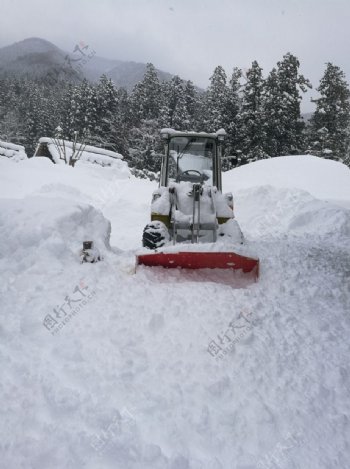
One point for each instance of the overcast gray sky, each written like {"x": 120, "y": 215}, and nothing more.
{"x": 191, "y": 37}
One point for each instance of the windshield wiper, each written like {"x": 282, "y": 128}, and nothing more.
{"x": 181, "y": 154}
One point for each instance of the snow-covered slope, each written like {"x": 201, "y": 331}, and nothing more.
{"x": 103, "y": 368}
{"x": 35, "y": 57}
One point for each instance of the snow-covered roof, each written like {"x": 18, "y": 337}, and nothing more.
{"x": 58, "y": 149}
{"x": 10, "y": 150}
{"x": 87, "y": 148}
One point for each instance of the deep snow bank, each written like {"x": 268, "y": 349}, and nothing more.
{"x": 292, "y": 195}
{"x": 324, "y": 179}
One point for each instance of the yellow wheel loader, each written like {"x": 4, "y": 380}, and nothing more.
{"x": 192, "y": 222}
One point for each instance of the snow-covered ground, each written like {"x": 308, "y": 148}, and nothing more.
{"x": 103, "y": 368}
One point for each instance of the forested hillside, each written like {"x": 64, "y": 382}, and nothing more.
{"x": 260, "y": 113}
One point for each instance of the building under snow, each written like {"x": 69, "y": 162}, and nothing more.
{"x": 61, "y": 151}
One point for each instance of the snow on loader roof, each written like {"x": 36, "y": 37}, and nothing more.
{"x": 178, "y": 133}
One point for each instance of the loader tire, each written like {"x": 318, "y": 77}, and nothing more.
{"x": 155, "y": 235}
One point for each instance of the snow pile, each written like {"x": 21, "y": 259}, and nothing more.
{"x": 105, "y": 368}
{"x": 37, "y": 227}
{"x": 14, "y": 152}
{"x": 325, "y": 179}
{"x": 281, "y": 196}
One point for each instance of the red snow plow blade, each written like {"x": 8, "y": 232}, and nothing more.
{"x": 201, "y": 260}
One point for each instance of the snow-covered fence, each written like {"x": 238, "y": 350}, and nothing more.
{"x": 10, "y": 150}
{"x": 57, "y": 150}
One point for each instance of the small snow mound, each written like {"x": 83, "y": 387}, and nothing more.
{"x": 324, "y": 179}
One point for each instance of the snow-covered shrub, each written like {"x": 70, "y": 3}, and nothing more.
{"x": 145, "y": 174}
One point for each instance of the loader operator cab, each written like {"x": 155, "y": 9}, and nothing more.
{"x": 191, "y": 157}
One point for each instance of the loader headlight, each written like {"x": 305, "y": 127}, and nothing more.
{"x": 221, "y": 134}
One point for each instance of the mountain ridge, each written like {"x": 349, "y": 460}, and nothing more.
{"x": 36, "y": 57}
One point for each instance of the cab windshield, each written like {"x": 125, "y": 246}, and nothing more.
{"x": 191, "y": 159}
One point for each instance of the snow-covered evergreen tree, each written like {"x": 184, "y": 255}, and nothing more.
{"x": 252, "y": 115}
{"x": 174, "y": 113}
{"x": 146, "y": 147}
{"x": 11, "y": 123}
{"x": 67, "y": 118}
{"x": 87, "y": 111}
{"x": 271, "y": 111}
{"x": 221, "y": 109}
{"x": 36, "y": 110}
{"x": 192, "y": 104}
{"x": 80, "y": 112}
{"x": 120, "y": 124}
{"x": 216, "y": 101}
{"x": 107, "y": 101}
{"x": 331, "y": 120}
{"x": 146, "y": 102}
{"x": 232, "y": 119}
{"x": 106, "y": 109}
{"x": 146, "y": 96}
{"x": 282, "y": 107}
